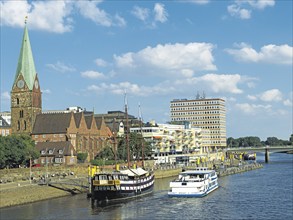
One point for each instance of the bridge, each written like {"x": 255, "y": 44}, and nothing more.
{"x": 266, "y": 149}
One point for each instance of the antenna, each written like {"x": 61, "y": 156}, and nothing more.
{"x": 127, "y": 130}
{"x": 140, "y": 124}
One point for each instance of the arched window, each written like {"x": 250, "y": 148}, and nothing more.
{"x": 18, "y": 125}
{"x": 21, "y": 113}
{"x": 17, "y": 101}
{"x": 24, "y": 125}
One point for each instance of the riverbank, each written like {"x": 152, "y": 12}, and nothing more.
{"x": 19, "y": 194}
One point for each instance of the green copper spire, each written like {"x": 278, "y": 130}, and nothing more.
{"x": 26, "y": 66}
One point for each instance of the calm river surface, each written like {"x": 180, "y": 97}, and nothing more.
{"x": 265, "y": 193}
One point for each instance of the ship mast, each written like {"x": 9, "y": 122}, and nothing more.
{"x": 127, "y": 131}
{"x": 140, "y": 124}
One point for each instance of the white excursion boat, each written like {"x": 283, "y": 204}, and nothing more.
{"x": 194, "y": 183}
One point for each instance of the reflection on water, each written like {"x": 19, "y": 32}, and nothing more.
{"x": 257, "y": 194}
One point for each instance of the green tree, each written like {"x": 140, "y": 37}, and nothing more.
{"x": 136, "y": 142}
{"x": 81, "y": 156}
{"x": 17, "y": 150}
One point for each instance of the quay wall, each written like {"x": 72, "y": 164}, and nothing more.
{"x": 17, "y": 193}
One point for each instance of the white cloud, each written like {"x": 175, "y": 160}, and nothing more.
{"x": 92, "y": 75}
{"x": 160, "y": 13}
{"x": 140, "y": 13}
{"x": 90, "y": 10}
{"x": 169, "y": 59}
{"x": 273, "y": 95}
{"x": 287, "y": 102}
{"x": 252, "y": 109}
{"x": 55, "y": 16}
{"x": 222, "y": 83}
{"x": 236, "y": 11}
{"x": 243, "y": 8}
{"x": 39, "y": 15}
{"x": 61, "y": 67}
{"x": 199, "y": 2}
{"x": 275, "y": 54}
{"x": 258, "y": 4}
{"x": 252, "y": 97}
{"x": 100, "y": 62}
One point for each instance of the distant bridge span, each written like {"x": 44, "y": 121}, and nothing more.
{"x": 265, "y": 149}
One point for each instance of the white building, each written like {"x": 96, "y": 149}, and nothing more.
{"x": 169, "y": 139}
{"x": 208, "y": 114}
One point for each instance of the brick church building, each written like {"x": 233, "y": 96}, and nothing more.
{"x": 58, "y": 136}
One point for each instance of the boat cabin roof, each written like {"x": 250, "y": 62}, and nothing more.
{"x": 134, "y": 172}
{"x": 197, "y": 171}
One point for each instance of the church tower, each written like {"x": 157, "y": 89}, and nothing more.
{"x": 26, "y": 97}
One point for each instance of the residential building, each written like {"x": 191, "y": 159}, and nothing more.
{"x": 56, "y": 153}
{"x": 5, "y": 128}
{"x": 170, "y": 139}
{"x": 6, "y": 116}
{"x": 207, "y": 114}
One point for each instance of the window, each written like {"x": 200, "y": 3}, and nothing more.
{"x": 17, "y": 101}
{"x": 50, "y": 151}
{"x": 43, "y": 152}
{"x": 60, "y": 151}
{"x": 24, "y": 125}
{"x": 18, "y": 125}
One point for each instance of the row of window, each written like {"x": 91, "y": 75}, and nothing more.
{"x": 51, "y": 151}
{"x": 197, "y": 108}
{"x": 199, "y": 113}
{"x": 214, "y": 102}
{"x": 52, "y": 160}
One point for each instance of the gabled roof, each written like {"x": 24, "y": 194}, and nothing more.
{"x": 52, "y": 123}
{"x": 99, "y": 122}
{"x": 77, "y": 118}
{"x": 26, "y": 65}
{"x": 4, "y": 123}
{"x": 88, "y": 120}
{"x": 65, "y": 146}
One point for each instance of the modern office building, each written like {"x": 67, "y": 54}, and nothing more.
{"x": 208, "y": 114}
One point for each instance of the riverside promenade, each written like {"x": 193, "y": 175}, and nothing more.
{"x": 19, "y": 192}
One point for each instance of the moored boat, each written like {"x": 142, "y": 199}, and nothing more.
{"x": 249, "y": 156}
{"x": 121, "y": 185}
{"x": 198, "y": 182}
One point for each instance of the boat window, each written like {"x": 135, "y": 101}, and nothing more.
{"x": 102, "y": 177}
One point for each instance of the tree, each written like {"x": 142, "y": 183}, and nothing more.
{"x": 81, "y": 156}
{"x": 17, "y": 150}
{"x": 136, "y": 141}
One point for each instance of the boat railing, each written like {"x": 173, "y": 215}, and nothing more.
{"x": 106, "y": 182}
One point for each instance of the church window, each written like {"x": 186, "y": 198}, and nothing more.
{"x": 17, "y": 101}
{"x": 21, "y": 113}
{"x": 24, "y": 125}
{"x": 18, "y": 125}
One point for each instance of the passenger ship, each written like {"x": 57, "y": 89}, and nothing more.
{"x": 194, "y": 183}
{"x": 122, "y": 184}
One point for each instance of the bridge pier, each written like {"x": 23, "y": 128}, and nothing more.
{"x": 267, "y": 155}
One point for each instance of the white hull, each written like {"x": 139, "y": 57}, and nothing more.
{"x": 194, "y": 183}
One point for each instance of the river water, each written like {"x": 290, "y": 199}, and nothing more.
{"x": 265, "y": 193}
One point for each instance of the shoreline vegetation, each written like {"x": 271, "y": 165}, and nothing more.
{"x": 19, "y": 194}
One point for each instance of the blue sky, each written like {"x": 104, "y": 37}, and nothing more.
{"x": 87, "y": 53}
